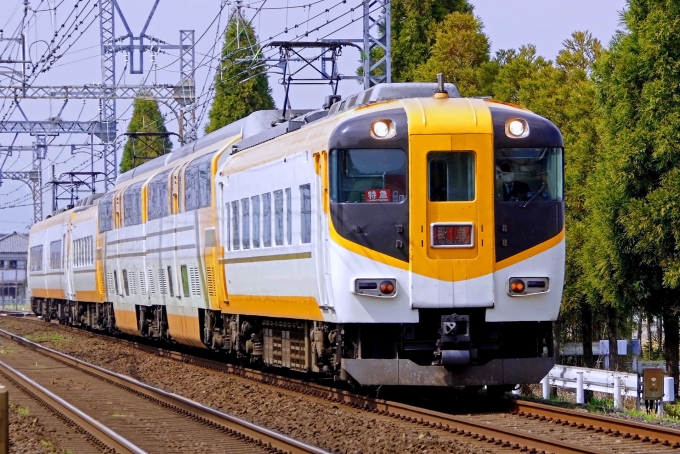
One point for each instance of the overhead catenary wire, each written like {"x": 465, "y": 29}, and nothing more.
{"x": 206, "y": 95}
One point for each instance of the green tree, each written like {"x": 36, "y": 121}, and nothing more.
{"x": 565, "y": 93}
{"x": 459, "y": 50}
{"x": 146, "y": 118}
{"x": 241, "y": 88}
{"x": 635, "y": 210}
{"x": 414, "y": 24}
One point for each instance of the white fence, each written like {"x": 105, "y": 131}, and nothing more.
{"x": 582, "y": 379}
{"x": 593, "y": 380}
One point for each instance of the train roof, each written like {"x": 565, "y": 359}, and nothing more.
{"x": 265, "y": 125}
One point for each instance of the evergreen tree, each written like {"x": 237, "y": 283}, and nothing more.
{"x": 634, "y": 213}
{"x": 414, "y": 27}
{"x": 241, "y": 88}
{"x": 565, "y": 93}
{"x": 146, "y": 117}
{"x": 459, "y": 50}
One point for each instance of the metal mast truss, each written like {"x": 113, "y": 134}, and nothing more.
{"x": 330, "y": 51}
{"x": 135, "y": 46}
{"x": 182, "y": 96}
{"x": 69, "y": 189}
{"x": 377, "y": 42}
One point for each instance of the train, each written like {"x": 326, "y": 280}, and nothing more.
{"x": 403, "y": 236}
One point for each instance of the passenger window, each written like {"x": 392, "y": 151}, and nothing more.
{"x": 278, "y": 217}
{"x": 451, "y": 176}
{"x": 105, "y": 209}
{"x": 204, "y": 182}
{"x": 305, "y": 214}
{"x": 126, "y": 284}
{"x": 235, "y": 238}
{"x": 36, "y": 258}
{"x": 185, "y": 280}
{"x": 267, "y": 219}
{"x": 245, "y": 222}
{"x": 55, "y": 255}
{"x": 289, "y": 217}
{"x": 158, "y": 196}
{"x": 132, "y": 204}
{"x": 255, "y": 202}
{"x": 115, "y": 282}
{"x": 197, "y": 183}
{"x": 191, "y": 188}
{"x": 171, "y": 285}
{"x": 368, "y": 176}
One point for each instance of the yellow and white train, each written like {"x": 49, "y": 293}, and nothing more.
{"x": 403, "y": 236}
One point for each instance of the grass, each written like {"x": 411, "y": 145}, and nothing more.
{"x": 22, "y": 410}
{"x": 606, "y": 402}
{"x": 46, "y": 338}
{"x": 46, "y": 443}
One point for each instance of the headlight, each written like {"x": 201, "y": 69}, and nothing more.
{"x": 516, "y": 128}
{"x": 383, "y": 129}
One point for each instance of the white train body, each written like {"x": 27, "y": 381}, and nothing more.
{"x": 318, "y": 246}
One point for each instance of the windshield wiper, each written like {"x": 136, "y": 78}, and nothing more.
{"x": 540, "y": 191}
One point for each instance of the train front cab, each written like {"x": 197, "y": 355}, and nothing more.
{"x": 470, "y": 241}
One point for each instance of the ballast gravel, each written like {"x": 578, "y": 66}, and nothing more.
{"x": 334, "y": 427}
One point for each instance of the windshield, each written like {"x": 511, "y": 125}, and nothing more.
{"x": 523, "y": 173}
{"x": 368, "y": 176}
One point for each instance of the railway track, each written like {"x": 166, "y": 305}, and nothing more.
{"x": 141, "y": 419}
{"x": 525, "y": 426}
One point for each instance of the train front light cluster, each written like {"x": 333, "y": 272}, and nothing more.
{"x": 516, "y": 128}
{"x": 524, "y": 286}
{"x": 382, "y": 288}
{"x": 383, "y": 129}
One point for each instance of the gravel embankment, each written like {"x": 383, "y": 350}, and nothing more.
{"x": 334, "y": 427}
{"x": 28, "y": 435}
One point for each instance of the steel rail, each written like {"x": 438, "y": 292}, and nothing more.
{"x": 598, "y": 423}
{"x": 231, "y": 424}
{"x": 101, "y": 434}
{"x": 609, "y": 425}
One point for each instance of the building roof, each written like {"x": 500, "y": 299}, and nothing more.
{"x": 14, "y": 243}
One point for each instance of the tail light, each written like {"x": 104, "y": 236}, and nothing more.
{"x": 524, "y": 286}
{"x": 382, "y": 288}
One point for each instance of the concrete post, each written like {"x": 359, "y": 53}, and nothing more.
{"x": 580, "y": 399}
{"x": 618, "y": 400}
{"x": 546, "y": 387}
{"x": 668, "y": 389}
{"x": 4, "y": 420}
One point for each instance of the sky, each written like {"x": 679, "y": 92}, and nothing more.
{"x": 508, "y": 23}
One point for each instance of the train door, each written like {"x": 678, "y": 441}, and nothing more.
{"x": 451, "y": 204}
{"x": 67, "y": 262}
{"x": 223, "y": 210}
{"x": 320, "y": 202}
{"x": 113, "y": 242}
